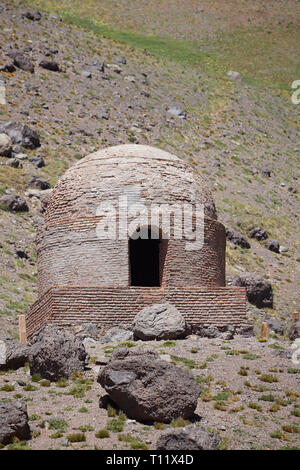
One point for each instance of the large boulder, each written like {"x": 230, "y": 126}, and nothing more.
{"x": 116, "y": 335}
{"x": 160, "y": 321}
{"x": 258, "y": 233}
{"x": 21, "y": 134}
{"x": 237, "y": 238}
{"x": 14, "y": 203}
{"x": 191, "y": 437}
{"x": 5, "y": 145}
{"x": 259, "y": 290}
{"x": 274, "y": 324}
{"x": 56, "y": 353}
{"x": 22, "y": 61}
{"x": 13, "y": 422}
{"x": 13, "y": 354}
{"x": 147, "y": 388}
{"x": 38, "y": 182}
{"x": 294, "y": 331}
{"x": 274, "y": 245}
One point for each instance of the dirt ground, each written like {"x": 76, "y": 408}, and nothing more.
{"x": 249, "y": 393}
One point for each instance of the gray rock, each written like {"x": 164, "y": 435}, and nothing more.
{"x": 49, "y": 65}
{"x": 32, "y": 15}
{"x": 247, "y": 331}
{"x": 180, "y": 113}
{"x": 13, "y": 422}
{"x": 259, "y": 290}
{"x": 160, "y": 321}
{"x": 294, "y": 331}
{"x": 274, "y": 324}
{"x": 21, "y": 61}
{"x": 13, "y": 203}
{"x": 86, "y": 74}
{"x": 273, "y": 245}
{"x": 208, "y": 332}
{"x": 237, "y": 238}
{"x": 21, "y": 134}
{"x": 8, "y": 66}
{"x": 38, "y": 161}
{"x": 116, "y": 335}
{"x": 5, "y": 145}
{"x": 236, "y": 76}
{"x": 190, "y": 437}
{"x": 56, "y": 353}
{"x": 283, "y": 249}
{"x": 14, "y": 163}
{"x": 258, "y": 233}
{"x": 38, "y": 182}
{"x": 87, "y": 330}
{"x": 147, "y": 388}
{"x": 13, "y": 354}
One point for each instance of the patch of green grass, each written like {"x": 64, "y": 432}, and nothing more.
{"x": 83, "y": 410}
{"x": 251, "y": 357}
{"x": 187, "y": 362}
{"x": 23, "y": 445}
{"x": 268, "y": 378}
{"x": 102, "y": 434}
{"x": 58, "y": 425}
{"x": 30, "y": 388}
{"x": 76, "y": 437}
{"x": 86, "y": 428}
{"x": 7, "y": 388}
{"x": 168, "y": 344}
{"x": 179, "y": 422}
{"x": 293, "y": 371}
{"x": 115, "y": 425}
{"x": 255, "y": 406}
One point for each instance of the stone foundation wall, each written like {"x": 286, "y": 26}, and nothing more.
{"x": 111, "y": 306}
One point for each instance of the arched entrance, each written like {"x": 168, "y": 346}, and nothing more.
{"x": 145, "y": 260}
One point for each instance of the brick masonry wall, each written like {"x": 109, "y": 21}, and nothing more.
{"x": 70, "y": 253}
{"x": 66, "y": 306}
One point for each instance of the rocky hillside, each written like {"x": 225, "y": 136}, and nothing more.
{"x": 84, "y": 80}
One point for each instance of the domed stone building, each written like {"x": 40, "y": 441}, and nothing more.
{"x": 127, "y": 227}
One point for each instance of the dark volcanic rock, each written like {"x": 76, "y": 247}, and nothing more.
{"x": 21, "y": 134}
{"x": 160, "y": 321}
{"x": 294, "y": 331}
{"x": 258, "y": 233}
{"x": 259, "y": 290}
{"x": 32, "y": 15}
{"x": 148, "y": 388}
{"x": 237, "y": 238}
{"x": 8, "y": 66}
{"x": 38, "y": 182}
{"x": 56, "y": 353}
{"x": 38, "y": 161}
{"x": 13, "y": 422}
{"x": 14, "y": 203}
{"x": 13, "y": 354}
{"x": 49, "y": 65}
{"x": 191, "y": 437}
{"x": 274, "y": 245}
{"x": 21, "y": 61}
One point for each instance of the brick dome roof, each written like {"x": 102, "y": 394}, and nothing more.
{"x": 141, "y": 172}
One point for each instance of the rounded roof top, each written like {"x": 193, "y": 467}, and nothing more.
{"x": 143, "y": 173}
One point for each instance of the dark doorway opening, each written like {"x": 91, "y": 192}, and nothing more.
{"x": 144, "y": 261}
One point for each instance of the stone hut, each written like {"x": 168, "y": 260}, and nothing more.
{"x": 105, "y": 250}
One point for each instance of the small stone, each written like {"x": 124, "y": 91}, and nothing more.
{"x": 236, "y": 76}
